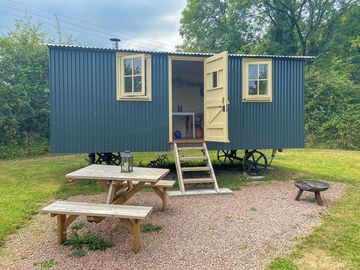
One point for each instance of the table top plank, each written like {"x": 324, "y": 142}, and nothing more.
{"x": 111, "y": 172}
{"x": 101, "y": 210}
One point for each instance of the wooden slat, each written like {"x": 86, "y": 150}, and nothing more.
{"x": 110, "y": 172}
{"x": 193, "y": 158}
{"x": 70, "y": 220}
{"x": 185, "y": 148}
{"x": 196, "y": 169}
{"x": 178, "y": 169}
{"x": 161, "y": 184}
{"x": 197, "y": 180}
{"x": 187, "y": 141}
{"x": 212, "y": 173}
{"x": 126, "y": 195}
{"x": 100, "y": 210}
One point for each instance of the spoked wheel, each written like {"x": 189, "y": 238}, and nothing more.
{"x": 255, "y": 163}
{"x": 116, "y": 158}
{"x": 224, "y": 155}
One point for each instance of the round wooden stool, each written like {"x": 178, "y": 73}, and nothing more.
{"x": 312, "y": 186}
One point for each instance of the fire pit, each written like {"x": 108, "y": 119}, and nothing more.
{"x": 312, "y": 186}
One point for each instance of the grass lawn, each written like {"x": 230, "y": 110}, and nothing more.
{"x": 27, "y": 184}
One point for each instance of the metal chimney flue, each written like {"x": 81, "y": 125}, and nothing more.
{"x": 115, "y": 42}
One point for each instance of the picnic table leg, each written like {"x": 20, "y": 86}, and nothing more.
{"x": 299, "y": 195}
{"x": 126, "y": 195}
{"x": 136, "y": 235}
{"x": 130, "y": 185}
{"x": 318, "y": 198}
{"x": 163, "y": 195}
{"x": 61, "y": 228}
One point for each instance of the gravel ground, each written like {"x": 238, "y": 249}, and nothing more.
{"x": 240, "y": 231}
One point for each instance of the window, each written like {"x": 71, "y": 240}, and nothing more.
{"x": 257, "y": 80}
{"x": 214, "y": 79}
{"x": 133, "y": 74}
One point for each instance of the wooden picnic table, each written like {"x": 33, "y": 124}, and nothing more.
{"x": 113, "y": 180}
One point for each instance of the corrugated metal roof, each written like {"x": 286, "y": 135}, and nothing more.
{"x": 183, "y": 53}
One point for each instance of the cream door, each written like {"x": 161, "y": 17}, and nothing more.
{"x": 216, "y": 98}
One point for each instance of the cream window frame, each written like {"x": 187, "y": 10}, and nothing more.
{"x": 245, "y": 79}
{"x": 145, "y": 94}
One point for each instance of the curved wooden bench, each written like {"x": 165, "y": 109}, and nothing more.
{"x": 66, "y": 213}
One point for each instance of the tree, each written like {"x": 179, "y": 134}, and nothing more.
{"x": 24, "y": 93}
{"x": 215, "y": 26}
{"x": 288, "y": 26}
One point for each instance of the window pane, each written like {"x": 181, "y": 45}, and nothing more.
{"x": 137, "y": 84}
{"x": 263, "y": 71}
{"x": 252, "y": 88}
{"x": 263, "y": 89}
{"x": 137, "y": 66}
{"x": 214, "y": 79}
{"x": 128, "y": 66}
{"x": 128, "y": 84}
{"x": 253, "y": 71}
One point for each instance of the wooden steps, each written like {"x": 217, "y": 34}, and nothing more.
{"x": 198, "y": 180}
{"x": 196, "y": 169}
{"x": 192, "y": 158}
{"x": 184, "y": 148}
{"x": 180, "y": 150}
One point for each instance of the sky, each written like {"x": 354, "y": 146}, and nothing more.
{"x": 140, "y": 24}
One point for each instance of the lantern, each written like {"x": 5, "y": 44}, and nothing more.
{"x": 126, "y": 161}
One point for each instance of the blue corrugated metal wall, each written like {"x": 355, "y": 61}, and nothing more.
{"x": 267, "y": 125}
{"x": 85, "y": 115}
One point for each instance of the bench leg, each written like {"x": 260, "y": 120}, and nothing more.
{"x": 136, "y": 235}
{"x": 165, "y": 199}
{"x": 318, "y": 198}
{"x": 61, "y": 228}
{"x": 162, "y": 193}
{"x": 299, "y": 195}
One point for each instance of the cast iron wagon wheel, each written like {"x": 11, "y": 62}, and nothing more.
{"x": 100, "y": 158}
{"x": 223, "y": 155}
{"x": 116, "y": 158}
{"x": 255, "y": 163}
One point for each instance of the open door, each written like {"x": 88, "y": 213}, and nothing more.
{"x": 216, "y": 98}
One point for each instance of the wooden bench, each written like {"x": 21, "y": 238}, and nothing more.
{"x": 66, "y": 212}
{"x": 161, "y": 188}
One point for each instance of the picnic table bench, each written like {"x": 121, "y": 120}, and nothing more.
{"x": 120, "y": 186}
{"x": 67, "y": 212}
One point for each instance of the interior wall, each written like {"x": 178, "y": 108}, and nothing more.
{"x": 187, "y": 94}
{"x": 189, "y": 98}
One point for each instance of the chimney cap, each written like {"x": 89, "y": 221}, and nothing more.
{"x": 115, "y": 39}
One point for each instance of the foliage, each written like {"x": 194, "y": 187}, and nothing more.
{"x": 24, "y": 90}
{"x": 89, "y": 240}
{"x": 282, "y": 264}
{"x": 77, "y": 226}
{"x": 148, "y": 227}
{"x": 44, "y": 265}
{"x": 332, "y": 109}
{"x": 215, "y": 26}
{"x": 24, "y": 93}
